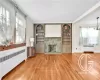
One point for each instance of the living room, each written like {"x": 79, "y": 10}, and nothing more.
{"x": 49, "y": 39}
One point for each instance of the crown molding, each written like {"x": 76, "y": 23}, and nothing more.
{"x": 88, "y": 12}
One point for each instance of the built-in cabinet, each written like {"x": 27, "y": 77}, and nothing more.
{"x": 66, "y": 38}
{"x": 39, "y": 37}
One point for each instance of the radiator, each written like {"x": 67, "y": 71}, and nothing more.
{"x": 10, "y": 59}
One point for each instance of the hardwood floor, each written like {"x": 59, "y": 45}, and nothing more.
{"x": 55, "y": 67}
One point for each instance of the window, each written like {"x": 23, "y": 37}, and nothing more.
{"x": 89, "y": 36}
{"x": 8, "y": 30}
{"x": 20, "y": 31}
{"x": 5, "y": 28}
{"x": 4, "y": 16}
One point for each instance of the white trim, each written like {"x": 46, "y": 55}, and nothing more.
{"x": 88, "y": 12}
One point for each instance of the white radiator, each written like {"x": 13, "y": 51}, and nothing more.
{"x": 9, "y": 59}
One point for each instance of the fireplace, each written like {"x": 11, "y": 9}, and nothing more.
{"x": 52, "y": 48}
{"x": 53, "y": 45}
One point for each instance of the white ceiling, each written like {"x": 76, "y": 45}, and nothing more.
{"x": 55, "y": 11}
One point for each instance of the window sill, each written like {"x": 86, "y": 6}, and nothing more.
{"x": 3, "y": 48}
{"x": 88, "y": 46}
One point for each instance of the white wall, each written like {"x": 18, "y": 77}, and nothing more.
{"x": 89, "y": 20}
{"x": 29, "y": 31}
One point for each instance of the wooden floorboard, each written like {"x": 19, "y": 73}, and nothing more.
{"x": 55, "y": 67}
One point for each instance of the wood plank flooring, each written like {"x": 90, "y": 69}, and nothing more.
{"x": 55, "y": 67}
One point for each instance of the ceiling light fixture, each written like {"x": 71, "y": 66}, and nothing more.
{"x": 98, "y": 24}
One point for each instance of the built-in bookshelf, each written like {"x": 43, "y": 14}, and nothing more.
{"x": 66, "y": 38}
{"x": 39, "y": 37}
{"x": 66, "y": 34}
{"x": 39, "y": 33}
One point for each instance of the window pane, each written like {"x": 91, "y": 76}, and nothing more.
{"x": 5, "y": 31}
{"x": 20, "y": 23}
{"x": 0, "y": 14}
{"x": 16, "y": 25}
{"x": 7, "y": 14}
{"x": 7, "y": 18}
{"x": 4, "y": 15}
{"x": 4, "y": 12}
{"x": 93, "y": 36}
{"x": 0, "y": 11}
{"x": 19, "y": 31}
{"x": 84, "y": 32}
{"x": 16, "y": 20}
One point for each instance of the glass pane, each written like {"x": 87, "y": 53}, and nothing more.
{"x": 16, "y": 20}
{"x": 84, "y": 36}
{"x": 7, "y": 18}
{"x": 0, "y": 14}
{"x": 4, "y": 12}
{"x": 19, "y": 31}
{"x": 84, "y": 32}
{"x": 20, "y": 22}
{"x": 0, "y": 11}
{"x": 4, "y": 15}
{"x": 5, "y": 32}
{"x": 7, "y": 14}
{"x": 93, "y": 36}
{"x": 16, "y": 25}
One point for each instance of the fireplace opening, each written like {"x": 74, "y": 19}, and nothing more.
{"x": 52, "y": 48}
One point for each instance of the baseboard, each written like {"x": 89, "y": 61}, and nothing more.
{"x": 77, "y": 53}
{"x": 67, "y": 53}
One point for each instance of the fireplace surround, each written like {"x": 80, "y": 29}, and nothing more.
{"x": 53, "y": 45}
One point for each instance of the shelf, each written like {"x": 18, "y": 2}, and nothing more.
{"x": 40, "y": 41}
{"x": 40, "y": 37}
{"x": 66, "y": 41}
{"x": 66, "y": 38}
{"x": 39, "y": 32}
